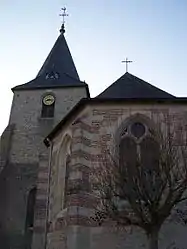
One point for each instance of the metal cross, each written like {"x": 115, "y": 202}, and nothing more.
{"x": 64, "y": 14}
{"x": 126, "y": 61}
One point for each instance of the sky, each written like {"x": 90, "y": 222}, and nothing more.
{"x": 100, "y": 34}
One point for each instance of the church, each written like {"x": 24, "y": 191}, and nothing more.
{"x": 56, "y": 135}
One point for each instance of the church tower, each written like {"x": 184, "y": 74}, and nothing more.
{"x": 36, "y": 108}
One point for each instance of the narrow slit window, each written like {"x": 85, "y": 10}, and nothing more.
{"x": 30, "y": 209}
{"x": 29, "y": 222}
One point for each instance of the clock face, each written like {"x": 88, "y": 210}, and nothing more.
{"x": 49, "y": 99}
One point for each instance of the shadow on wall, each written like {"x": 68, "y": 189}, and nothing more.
{"x": 5, "y": 142}
{"x": 3, "y": 238}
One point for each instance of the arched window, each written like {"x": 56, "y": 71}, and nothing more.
{"x": 138, "y": 142}
{"x": 29, "y": 222}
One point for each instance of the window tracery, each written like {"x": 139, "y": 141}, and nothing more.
{"x": 137, "y": 141}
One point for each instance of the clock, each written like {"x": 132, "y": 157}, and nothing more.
{"x": 48, "y": 99}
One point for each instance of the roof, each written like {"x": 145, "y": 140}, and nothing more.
{"x": 38, "y": 83}
{"x": 129, "y": 86}
{"x": 58, "y": 69}
{"x": 110, "y": 101}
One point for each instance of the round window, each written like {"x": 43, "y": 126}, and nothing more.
{"x": 137, "y": 129}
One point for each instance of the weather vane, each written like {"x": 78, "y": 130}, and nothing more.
{"x": 126, "y": 61}
{"x": 64, "y": 14}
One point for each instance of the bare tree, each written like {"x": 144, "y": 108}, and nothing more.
{"x": 139, "y": 192}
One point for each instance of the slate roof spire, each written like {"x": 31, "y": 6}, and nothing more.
{"x": 58, "y": 69}
{"x": 59, "y": 59}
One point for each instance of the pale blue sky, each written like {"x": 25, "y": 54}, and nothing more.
{"x": 100, "y": 35}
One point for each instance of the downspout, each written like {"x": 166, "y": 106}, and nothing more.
{"x": 49, "y": 144}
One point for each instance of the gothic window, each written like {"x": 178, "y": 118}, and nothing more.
{"x": 137, "y": 142}
{"x": 48, "y": 106}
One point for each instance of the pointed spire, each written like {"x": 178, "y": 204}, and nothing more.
{"x": 58, "y": 69}
{"x": 59, "y": 60}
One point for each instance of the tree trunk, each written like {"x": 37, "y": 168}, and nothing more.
{"x": 153, "y": 239}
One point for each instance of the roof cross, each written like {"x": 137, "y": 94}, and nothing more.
{"x": 126, "y": 61}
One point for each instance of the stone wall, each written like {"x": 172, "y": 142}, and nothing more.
{"x": 28, "y": 163}
{"x": 16, "y": 180}
{"x": 93, "y": 130}
{"x": 5, "y": 145}
{"x": 30, "y": 128}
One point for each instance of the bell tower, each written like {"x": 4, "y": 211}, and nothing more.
{"x": 36, "y": 108}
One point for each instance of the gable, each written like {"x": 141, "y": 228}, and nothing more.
{"x": 130, "y": 86}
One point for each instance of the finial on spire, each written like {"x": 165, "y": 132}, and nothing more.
{"x": 64, "y": 14}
